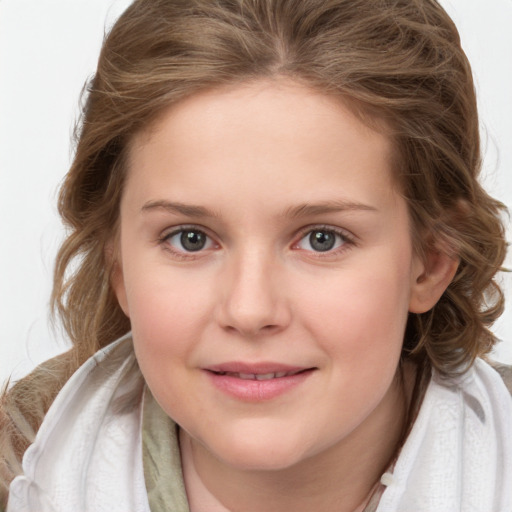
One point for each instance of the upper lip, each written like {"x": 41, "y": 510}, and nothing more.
{"x": 262, "y": 368}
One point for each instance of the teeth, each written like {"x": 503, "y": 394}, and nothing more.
{"x": 266, "y": 376}
{"x": 258, "y": 376}
{"x": 245, "y": 376}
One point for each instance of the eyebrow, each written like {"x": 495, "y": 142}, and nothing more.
{"x": 188, "y": 210}
{"x": 301, "y": 210}
{"x": 311, "y": 209}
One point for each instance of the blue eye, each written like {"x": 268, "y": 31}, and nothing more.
{"x": 189, "y": 240}
{"x": 321, "y": 240}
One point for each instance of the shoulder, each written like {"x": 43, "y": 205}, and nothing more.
{"x": 505, "y": 372}
{"x": 22, "y": 410}
{"x": 31, "y": 397}
{"x": 94, "y": 419}
{"x": 44, "y": 381}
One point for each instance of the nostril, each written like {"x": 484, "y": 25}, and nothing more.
{"x": 251, "y": 331}
{"x": 251, "y": 312}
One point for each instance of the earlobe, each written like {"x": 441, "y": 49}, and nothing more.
{"x": 117, "y": 278}
{"x": 117, "y": 283}
{"x": 431, "y": 280}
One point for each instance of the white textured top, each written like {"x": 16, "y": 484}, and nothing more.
{"x": 458, "y": 456}
{"x": 87, "y": 456}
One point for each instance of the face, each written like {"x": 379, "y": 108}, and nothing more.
{"x": 267, "y": 269}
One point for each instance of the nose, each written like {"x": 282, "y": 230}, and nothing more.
{"x": 254, "y": 299}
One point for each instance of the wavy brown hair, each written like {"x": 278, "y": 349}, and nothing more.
{"x": 397, "y": 63}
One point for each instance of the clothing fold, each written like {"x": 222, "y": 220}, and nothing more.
{"x": 105, "y": 445}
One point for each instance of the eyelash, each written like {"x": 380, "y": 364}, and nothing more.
{"x": 347, "y": 240}
{"x": 164, "y": 241}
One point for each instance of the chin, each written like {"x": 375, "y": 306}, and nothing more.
{"x": 262, "y": 461}
{"x": 260, "y": 453}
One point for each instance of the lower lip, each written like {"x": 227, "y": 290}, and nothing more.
{"x": 249, "y": 390}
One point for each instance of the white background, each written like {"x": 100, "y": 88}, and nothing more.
{"x": 48, "y": 48}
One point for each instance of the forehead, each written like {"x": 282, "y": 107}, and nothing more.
{"x": 277, "y": 133}
{"x": 263, "y": 101}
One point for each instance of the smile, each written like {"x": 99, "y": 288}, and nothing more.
{"x": 259, "y": 376}
{"x": 256, "y": 384}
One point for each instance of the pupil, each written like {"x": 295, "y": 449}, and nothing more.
{"x": 193, "y": 240}
{"x": 322, "y": 240}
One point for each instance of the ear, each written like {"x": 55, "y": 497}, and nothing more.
{"x": 430, "y": 279}
{"x": 113, "y": 258}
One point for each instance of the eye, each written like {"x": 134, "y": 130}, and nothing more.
{"x": 188, "y": 240}
{"x": 322, "y": 240}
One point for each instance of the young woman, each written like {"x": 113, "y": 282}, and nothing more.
{"x": 279, "y": 273}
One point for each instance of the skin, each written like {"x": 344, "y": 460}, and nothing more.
{"x": 263, "y": 165}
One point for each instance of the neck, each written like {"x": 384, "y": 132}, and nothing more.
{"x": 340, "y": 478}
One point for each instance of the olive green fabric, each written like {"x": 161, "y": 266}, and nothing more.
{"x": 506, "y": 373}
{"x": 161, "y": 459}
{"x": 162, "y": 462}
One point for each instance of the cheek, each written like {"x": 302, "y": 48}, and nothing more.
{"x": 167, "y": 315}
{"x": 166, "y": 327}
{"x": 360, "y": 316}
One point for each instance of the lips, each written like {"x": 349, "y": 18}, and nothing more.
{"x": 259, "y": 376}
{"x": 256, "y": 382}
